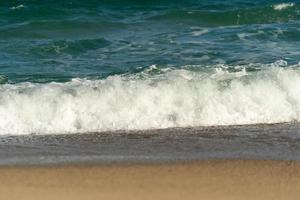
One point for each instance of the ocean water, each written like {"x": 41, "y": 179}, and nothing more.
{"x": 104, "y": 65}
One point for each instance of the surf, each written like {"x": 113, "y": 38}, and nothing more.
{"x": 153, "y": 99}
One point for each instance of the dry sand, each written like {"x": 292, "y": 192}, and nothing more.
{"x": 186, "y": 180}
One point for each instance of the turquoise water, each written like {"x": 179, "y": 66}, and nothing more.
{"x": 128, "y": 64}
{"x": 42, "y": 41}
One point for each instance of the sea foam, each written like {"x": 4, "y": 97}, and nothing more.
{"x": 283, "y": 6}
{"x": 17, "y": 7}
{"x": 172, "y": 98}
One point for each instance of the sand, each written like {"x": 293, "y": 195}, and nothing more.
{"x": 225, "y": 179}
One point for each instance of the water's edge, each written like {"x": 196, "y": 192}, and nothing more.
{"x": 262, "y": 141}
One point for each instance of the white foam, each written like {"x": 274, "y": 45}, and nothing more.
{"x": 175, "y": 98}
{"x": 17, "y": 7}
{"x": 283, "y": 6}
{"x": 200, "y": 32}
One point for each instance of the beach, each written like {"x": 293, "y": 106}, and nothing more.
{"x": 229, "y": 162}
{"x": 214, "y": 179}
{"x": 138, "y": 100}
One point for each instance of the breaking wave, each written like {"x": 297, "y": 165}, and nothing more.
{"x": 154, "y": 98}
{"x": 283, "y": 6}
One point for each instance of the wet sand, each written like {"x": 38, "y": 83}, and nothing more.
{"x": 226, "y": 162}
{"x": 251, "y": 142}
{"x": 219, "y": 179}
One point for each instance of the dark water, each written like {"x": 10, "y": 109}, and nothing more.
{"x": 91, "y": 66}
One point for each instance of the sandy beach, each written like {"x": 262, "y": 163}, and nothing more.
{"x": 223, "y": 179}
{"x": 149, "y": 100}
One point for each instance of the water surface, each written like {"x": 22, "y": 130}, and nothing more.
{"x": 90, "y": 66}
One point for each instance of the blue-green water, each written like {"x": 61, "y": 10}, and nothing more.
{"x": 43, "y": 41}
{"x": 129, "y": 64}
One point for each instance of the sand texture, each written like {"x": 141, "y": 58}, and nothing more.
{"x": 185, "y": 180}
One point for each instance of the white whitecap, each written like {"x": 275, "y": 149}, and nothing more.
{"x": 200, "y": 32}
{"x": 175, "y": 98}
{"x": 17, "y": 7}
{"x": 283, "y": 6}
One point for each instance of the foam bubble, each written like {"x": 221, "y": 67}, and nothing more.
{"x": 172, "y": 98}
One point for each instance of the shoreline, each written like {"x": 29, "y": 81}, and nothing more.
{"x": 254, "y": 142}
{"x": 207, "y": 179}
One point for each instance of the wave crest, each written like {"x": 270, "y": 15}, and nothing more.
{"x": 283, "y": 6}
{"x": 170, "y": 99}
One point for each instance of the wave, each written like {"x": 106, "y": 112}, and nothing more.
{"x": 3, "y": 79}
{"x": 154, "y": 98}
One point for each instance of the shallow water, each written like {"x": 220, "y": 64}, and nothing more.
{"x": 273, "y": 142}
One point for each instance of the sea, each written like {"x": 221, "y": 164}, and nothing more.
{"x": 75, "y": 66}
{"x": 79, "y": 67}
